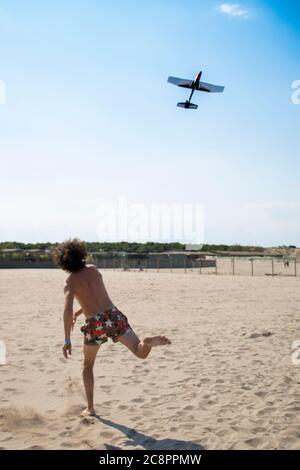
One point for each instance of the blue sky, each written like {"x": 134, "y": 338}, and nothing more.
{"x": 89, "y": 115}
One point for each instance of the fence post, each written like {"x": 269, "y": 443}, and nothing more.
{"x": 232, "y": 262}
{"x": 157, "y": 264}
{"x": 114, "y": 264}
{"x": 200, "y": 267}
{"x": 216, "y": 267}
{"x": 184, "y": 265}
{"x": 272, "y": 267}
{"x": 295, "y": 267}
{"x": 252, "y": 267}
{"x": 171, "y": 264}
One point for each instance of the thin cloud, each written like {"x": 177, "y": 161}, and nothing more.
{"x": 233, "y": 9}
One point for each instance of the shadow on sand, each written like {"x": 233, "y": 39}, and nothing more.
{"x": 136, "y": 438}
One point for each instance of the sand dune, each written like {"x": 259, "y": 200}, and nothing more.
{"x": 227, "y": 380}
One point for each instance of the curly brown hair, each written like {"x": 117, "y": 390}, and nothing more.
{"x": 70, "y": 255}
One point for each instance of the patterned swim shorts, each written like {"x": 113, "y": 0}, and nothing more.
{"x": 109, "y": 324}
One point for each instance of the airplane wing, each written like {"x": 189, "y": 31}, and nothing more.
{"x": 182, "y": 82}
{"x": 210, "y": 88}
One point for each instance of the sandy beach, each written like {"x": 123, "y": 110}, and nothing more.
{"x": 226, "y": 382}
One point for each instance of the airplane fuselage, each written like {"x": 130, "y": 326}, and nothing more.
{"x": 197, "y": 80}
{"x": 195, "y": 86}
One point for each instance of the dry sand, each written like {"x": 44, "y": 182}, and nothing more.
{"x": 221, "y": 384}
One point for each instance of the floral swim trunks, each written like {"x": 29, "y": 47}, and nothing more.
{"x": 109, "y": 324}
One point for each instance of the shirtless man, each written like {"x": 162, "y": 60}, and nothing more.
{"x": 102, "y": 319}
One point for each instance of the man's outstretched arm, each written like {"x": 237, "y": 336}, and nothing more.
{"x": 68, "y": 319}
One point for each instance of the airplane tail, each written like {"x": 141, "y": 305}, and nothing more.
{"x": 187, "y": 105}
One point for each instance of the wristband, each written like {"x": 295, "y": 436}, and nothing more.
{"x": 67, "y": 341}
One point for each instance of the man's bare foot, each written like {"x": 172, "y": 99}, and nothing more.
{"x": 156, "y": 340}
{"x": 88, "y": 412}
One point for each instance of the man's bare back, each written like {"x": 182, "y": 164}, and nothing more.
{"x": 89, "y": 290}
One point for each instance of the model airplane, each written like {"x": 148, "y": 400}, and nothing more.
{"x": 194, "y": 85}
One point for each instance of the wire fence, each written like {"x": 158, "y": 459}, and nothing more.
{"x": 218, "y": 266}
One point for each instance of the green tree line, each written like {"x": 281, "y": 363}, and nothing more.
{"x": 150, "y": 247}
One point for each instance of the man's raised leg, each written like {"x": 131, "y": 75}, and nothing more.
{"x": 141, "y": 348}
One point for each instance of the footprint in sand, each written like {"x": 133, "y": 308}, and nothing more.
{"x": 65, "y": 434}
{"x": 219, "y": 381}
{"x": 138, "y": 400}
{"x": 122, "y": 407}
{"x": 266, "y": 411}
{"x": 201, "y": 382}
{"x": 34, "y": 447}
{"x": 107, "y": 434}
{"x": 261, "y": 393}
{"x": 246, "y": 387}
{"x": 68, "y": 445}
{"x": 254, "y": 442}
{"x": 6, "y": 436}
{"x": 168, "y": 352}
{"x": 87, "y": 420}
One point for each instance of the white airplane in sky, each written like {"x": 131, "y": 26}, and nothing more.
{"x": 195, "y": 84}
